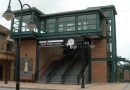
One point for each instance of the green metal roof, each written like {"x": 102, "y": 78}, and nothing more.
{"x": 104, "y": 7}
{"x": 89, "y": 9}
{"x": 28, "y": 10}
{"x": 72, "y": 12}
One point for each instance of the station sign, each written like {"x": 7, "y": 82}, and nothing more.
{"x": 50, "y": 43}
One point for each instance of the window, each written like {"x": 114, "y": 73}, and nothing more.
{"x": 109, "y": 28}
{"x": 42, "y": 27}
{"x": 87, "y": 22}
{"x": 51, "y": 25}
{"x": 66, "y": 24}
{"x": 109, "y": 47}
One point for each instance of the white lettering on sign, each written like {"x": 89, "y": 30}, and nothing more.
{"x": 51, "y": 43}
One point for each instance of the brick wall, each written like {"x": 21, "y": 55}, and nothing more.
{"x": 99, "y": 71}
{"x": 100, "y": 50}
{"x": 126, "y": 75}
{"x": 98, "y": 66}
{"x": 28, "y": 47}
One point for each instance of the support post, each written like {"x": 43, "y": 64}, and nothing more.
{"x": 83, "y": 64}
{"x": 18, "y": 64}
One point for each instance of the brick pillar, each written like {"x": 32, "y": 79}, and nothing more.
{"x": 99, "y": 71}
{"x": 126, "y": 75}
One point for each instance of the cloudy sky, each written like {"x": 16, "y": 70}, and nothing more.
{"x": 52, "y": 6}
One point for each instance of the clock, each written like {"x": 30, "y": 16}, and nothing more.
{"x": 70, "y": 42}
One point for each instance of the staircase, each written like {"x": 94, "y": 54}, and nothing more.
{"x": 72, "y": 76}
{"x": 57, "y": 78}
{"x": 67, "y": 70}
{"x": 42, "y": 78}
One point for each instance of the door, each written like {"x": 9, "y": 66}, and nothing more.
{"x": 1, "y": 72}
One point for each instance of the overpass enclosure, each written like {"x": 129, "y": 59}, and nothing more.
{"x": 45, "y": 59}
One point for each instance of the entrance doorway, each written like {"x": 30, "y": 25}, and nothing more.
{"x": 1, "y": 72}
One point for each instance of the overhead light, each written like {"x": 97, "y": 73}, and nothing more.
{"x": 92, "y": 44}
{"x": 8, "y": 15}
{"x": 31, "y": 26}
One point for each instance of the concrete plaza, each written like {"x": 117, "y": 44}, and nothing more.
{"x": 40, "y": 86}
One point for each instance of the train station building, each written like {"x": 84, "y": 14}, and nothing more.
{"x": 65, "y": 46}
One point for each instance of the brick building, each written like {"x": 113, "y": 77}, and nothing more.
{"x": 7, "y": 57}
{"x": 45, "y": 52}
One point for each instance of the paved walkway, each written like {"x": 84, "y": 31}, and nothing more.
{"x": 101, "y": 86}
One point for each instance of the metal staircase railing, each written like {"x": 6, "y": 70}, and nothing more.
{"x": 85, "y": 72}
{"x": 54, "y": 69}
{"x": 68, "y": 70}
{"x": 49, "y": 67}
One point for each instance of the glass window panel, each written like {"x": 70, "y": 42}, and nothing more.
{"x": 51, "y": 20}
{"x": 70, "y": 18}
{"x": 110, "y": 47}
{"x": 83, "y": 17}
{"x": 92, "y": 26}
{"x": 71, "y": 24}
{"x": 82, "y": 27}
{"x": 82, "y": 23}
{"x": 91, "y": 16}
{"x": 79, "y": 23}
{"x": 50, "y": 30}
{"x": 61, "y": 24}
{"x": 62, "y": 29}
{"x": 27, "y": 18}
{"x": 85, "y": 27}
{"x": 62, "y": 19}
{"x": 91, "y": 21}
{"x": 109, "y": 21}
{"x": 109, "y": 28}
{"x": 70, "y": 28}
{"x": 42, "y": 32}
{"x": 109, "y": 33}
{"x": 50, "y": 25}
{"x": 79, "y": 28}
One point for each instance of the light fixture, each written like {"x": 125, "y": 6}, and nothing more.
{"x": 31, "y": 25}
{"x": 8, "y": 14}
{"x": 92, "y": 44}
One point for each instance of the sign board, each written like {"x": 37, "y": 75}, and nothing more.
{"x": 50, "y": 43}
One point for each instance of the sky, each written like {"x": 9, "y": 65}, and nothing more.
{"x": 53, "y": 6}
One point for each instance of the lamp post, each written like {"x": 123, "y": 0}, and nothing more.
{"x": 83, "y": 64}
{"x": 8, "y": 15}
{"x": 87, "y": 45}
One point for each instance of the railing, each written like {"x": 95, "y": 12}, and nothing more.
{"x": 85, "y": 73}
{"x": 53, "y": 71}
{"x": 44, "y": 66}
{"x": 79, "y": 76}
{"x": 67, "y": 71}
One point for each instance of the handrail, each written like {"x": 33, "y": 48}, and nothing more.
{"x": 86, "y": 71}
{"x": 48, "y": 62}
{"x": 79, "y": 75}
{"x": 67, "y": 71}
{"x": 53, "y": 71}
